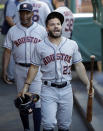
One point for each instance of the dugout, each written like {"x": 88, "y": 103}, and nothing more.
{"x": 86, "y": 31}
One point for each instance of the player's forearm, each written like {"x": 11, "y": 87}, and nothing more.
{"x": 10, "y": 21}
{"x": 31, "y": 73}
{"x": 30, "y": 77}
{"x": 6, "y": 59}
{"x": 80, "y": 69}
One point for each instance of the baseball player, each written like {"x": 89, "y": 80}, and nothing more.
{"x": 67, "y": 26}
{"x": 41, "y": 10}
{"x": 21, "y": 40}
{"x": 56, "y": 54}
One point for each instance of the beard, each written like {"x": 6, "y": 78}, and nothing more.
{"x": 25, "y": 21}
{"x": 51, "y": 34}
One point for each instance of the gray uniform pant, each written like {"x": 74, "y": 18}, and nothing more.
{"x": 56, "y": 107}
{"x": 20, "y": 78}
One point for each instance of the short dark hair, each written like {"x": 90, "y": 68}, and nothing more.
{"x": 55, "y": 15}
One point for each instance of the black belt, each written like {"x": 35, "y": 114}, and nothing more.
{"x": 58, "y": 85}
{"x": 24, "y": 64}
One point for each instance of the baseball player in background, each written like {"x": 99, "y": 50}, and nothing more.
{"x": 41, "y": 11}
{"x": 21, "y": 40}
{"x": 67, "y": 26}
{"x": 56, "y": 54}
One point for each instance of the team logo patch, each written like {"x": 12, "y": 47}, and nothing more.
{"x": 25, "y": 5}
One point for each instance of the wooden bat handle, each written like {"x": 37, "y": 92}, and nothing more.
{"x": 89, "y": 104}
{"x": 91, "y": 75}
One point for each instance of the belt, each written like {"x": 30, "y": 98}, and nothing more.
{"x": 24, "y": 64}
{"x": 58, "y": 85}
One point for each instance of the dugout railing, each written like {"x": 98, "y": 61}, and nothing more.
{"x": 98, "y": 19}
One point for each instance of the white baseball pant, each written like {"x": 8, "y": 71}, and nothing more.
{"x": 56, "y": 107}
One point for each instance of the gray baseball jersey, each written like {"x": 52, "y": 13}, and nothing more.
{"x": 22, "y": 41}
{"x": 55, "y": 60}
{"x": 67, "y": 26}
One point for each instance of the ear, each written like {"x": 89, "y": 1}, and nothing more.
{"x": 32, "y": 13}
{"x": 47, "y": 29}
{"x": 53, "y": 1}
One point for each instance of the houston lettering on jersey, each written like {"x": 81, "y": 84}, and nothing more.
{"x": 68, "y": 13}
{"x": 59, "y": 56}
{"x": 26, "y": 39}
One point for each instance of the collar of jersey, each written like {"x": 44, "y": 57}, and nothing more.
{"x": 63, "y": 39}
{"x": 34, "y": 24}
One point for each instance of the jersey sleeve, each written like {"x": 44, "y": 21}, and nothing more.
{"x": 76, "y": 55}
{"x": 36, "y": 59}
{"x": 8, "y": 42}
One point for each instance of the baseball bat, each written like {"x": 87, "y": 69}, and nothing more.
{"x": 90, "y": 97}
